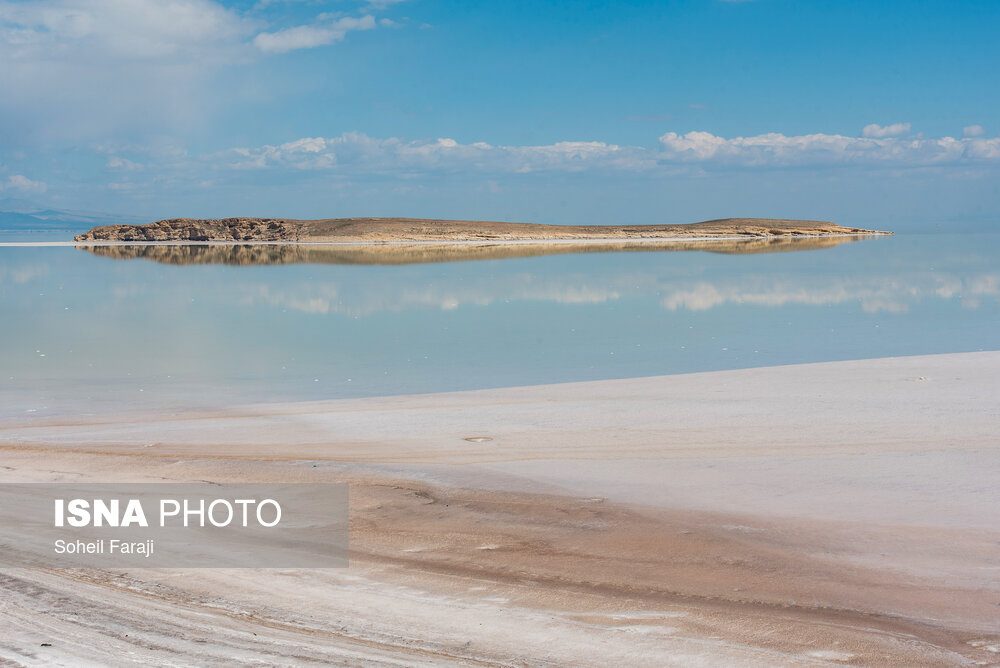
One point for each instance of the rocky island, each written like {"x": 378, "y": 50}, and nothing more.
{"x": 416, "y": 230}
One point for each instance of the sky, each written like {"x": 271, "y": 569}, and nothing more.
{"x": 881, "y": 114}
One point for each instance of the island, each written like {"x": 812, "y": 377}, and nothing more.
{"x": 418, "y": 230}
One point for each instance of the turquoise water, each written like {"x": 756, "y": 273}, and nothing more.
{"x": 81, "y": 331}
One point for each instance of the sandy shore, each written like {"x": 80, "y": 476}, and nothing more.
{"x": 842, "y": 513}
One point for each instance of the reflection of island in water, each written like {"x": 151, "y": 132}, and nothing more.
{"x": 399, "y": 254}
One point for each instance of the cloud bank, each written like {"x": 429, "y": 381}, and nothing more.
{"x": 357, "y": 152}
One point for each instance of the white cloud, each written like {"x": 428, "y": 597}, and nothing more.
{"x": 881, "y": 131}
{"x": 85, "y": 70}
{"x": 310, "y": 36}
{"x": 694, "y": 154}
{"x": 23, "y": 184}
{"x": 140, "y": 29}
{"x": 778, "y": 150}
{"x": 382, "y": 4}
{"x": 361, "y": 152}
{"x": 118, "y": 162}
{"x": 973, "y": 131}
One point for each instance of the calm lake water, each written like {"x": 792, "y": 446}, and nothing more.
{"x": 82, "y": 331}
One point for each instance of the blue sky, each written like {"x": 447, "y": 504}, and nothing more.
{"x": 868, "y": 113}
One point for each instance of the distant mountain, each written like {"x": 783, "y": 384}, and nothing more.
{"x": 22, "y": 215}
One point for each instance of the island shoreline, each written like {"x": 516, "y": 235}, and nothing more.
{"x": 647, "y": 241}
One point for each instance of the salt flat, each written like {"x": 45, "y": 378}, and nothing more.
{"x": 798, "y": 515}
